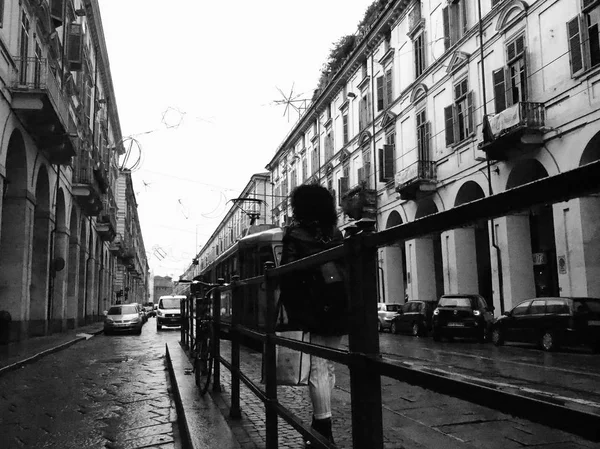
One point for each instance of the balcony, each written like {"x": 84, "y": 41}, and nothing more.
{"x": 519, "y": 127}
{"x": 106, "y": 223}
{"x": 116, "y": 246}
{"x": 420, "y": 176}
{"x": 42, "y": 107}
{"x": 86, "y": 189}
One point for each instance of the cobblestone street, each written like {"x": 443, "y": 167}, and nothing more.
{"x": 107, "y": 391}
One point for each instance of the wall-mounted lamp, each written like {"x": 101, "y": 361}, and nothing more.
{"x": 351, "y": 95}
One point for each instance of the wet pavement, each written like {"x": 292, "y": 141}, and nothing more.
{"x": 88, "y": 391}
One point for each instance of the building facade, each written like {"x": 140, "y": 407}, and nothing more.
{"x": 250, "y": 212}
{"x": 440, "y": 103}
{"x": 163, "y": 285}
{"x": 61, "y": 203}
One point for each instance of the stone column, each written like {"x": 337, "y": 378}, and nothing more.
{"x": 421, "y": 269}
{"x": 393, "y": 267}
{"x": 91, "y": 291}
{"x": 459, "y": 255}
{"x": 59, "y": 295}
{"x": 514, "y": 239}
{"x": 577, "y": 236}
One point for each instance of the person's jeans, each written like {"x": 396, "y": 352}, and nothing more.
{"x": 322, "y": 377}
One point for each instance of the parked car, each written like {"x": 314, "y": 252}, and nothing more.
{"x": 141, "y": 311}
{"x": 149, "y": 309}
{"x": 414, "y": 317}
{"x": 551, "y": 322}
{"x": 386, "y": 311}
{"x": 123, "y": 318}
{"x": 462, "y": 315}
{"x": 168, "y": 312}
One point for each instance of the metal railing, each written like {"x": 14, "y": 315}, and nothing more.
{"x": 365, "y": 363}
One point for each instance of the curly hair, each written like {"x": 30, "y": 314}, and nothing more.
{"x": 313, "y": 203}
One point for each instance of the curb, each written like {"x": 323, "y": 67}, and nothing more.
{"x": 39, "y": 355}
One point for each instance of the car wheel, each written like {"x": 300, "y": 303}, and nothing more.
{"x": 158, "y": 327}
{"x": 394, "y": 329}
{"x": 497, "y": 337}
{"x": 548, "y": 341}
{"x": 416, "y": 330}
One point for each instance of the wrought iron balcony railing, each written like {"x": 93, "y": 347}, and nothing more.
{"x": 418, "y": 176}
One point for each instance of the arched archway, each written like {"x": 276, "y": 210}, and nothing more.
{"x": 591, "y": 152}
{"x": 393, "y": 275}
{"x": 532, "y": 245}
{"x": 467, "y": 267}
{"x": 39, "y": 306}
{"x": 424, "y": 276}
{"x": 15, "y": 236}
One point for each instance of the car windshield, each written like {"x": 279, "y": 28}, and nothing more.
{"x": 169, "y": 303}
{"x": 587, "y": 305}
{"x": 122, "y": 310}
{"x": 392, "y": 307}
{"x": 455, "y": 301}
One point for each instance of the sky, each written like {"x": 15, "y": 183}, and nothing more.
{"x": 197, "y": 85}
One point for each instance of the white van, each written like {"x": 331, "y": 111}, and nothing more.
{"x": 168, "y": 311}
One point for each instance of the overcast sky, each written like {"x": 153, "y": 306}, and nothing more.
{"x": 195, "y": 83}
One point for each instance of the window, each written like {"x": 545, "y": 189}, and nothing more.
{"x": 328, "y": 146}
{"x": 293, "y": 178}
{"x": 385, "y": 90}
{"x": 304, "y": 168}
{"x": 345, "y": 128}
{"x": 510, "y": 82}
{"x": 454, "y": 17}
{"x": 538, "y": 307}
{"x": 364, "y": 116}
{"x": 419, "y": 51}
{"x": 423, "y": 135}
{"x": 343, "y": 183}
{"x": 364, "y": 172}
{"x": 459, "y": 115}
{"x": 314, "y": 160}
{"x": 387, "y": 156}
{"x": 583, "y": 34}
{"x": 556, "y": 306}
{"x": 521, "y": 309}
{"x": 24, "y": 48}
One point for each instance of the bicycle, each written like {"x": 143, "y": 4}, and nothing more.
{"x": 202, "y": 348}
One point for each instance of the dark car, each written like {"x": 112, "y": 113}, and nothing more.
{"x": 414, "y": 317}
{"x": 462, "y": 315}
{"x": 551, "y": 322}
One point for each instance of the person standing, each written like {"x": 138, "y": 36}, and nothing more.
{"x": 316, "y": 299}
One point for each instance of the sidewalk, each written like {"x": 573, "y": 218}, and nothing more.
{"x": 413, "y": 418}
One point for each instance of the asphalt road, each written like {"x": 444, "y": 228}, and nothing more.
{"x": 108, "y": 391}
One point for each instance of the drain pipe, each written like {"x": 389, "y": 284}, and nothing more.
{"x": 488, "y": 166}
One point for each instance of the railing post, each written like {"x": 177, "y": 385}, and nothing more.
{"x": 272, "y": 433}
{"x": 365, "y": 383}
{"x": 236, "y": 299}
{"x": 216, "y": 349}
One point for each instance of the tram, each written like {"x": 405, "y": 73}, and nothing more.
{"x": 246, "y": 258}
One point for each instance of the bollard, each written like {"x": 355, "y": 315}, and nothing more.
{"x": 182, "y": 329}
{"x": 270, "y": 361}
{"x": 236, "y": 298}
{"x": 365, "y": 383}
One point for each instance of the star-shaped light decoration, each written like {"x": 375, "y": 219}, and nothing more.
{"x": 172, "y": 117}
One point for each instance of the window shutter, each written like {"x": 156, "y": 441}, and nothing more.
{"x": 449, "y": 122}
{"x": 389, "y": 87}
{"x": 509, "y": 87}
{"x": 56, "y": 12}
{"x": 361, "y": 175}
{"x": 75, "y": 47}
{"x": 381, "y": 165}
{"x": 499, "y": 90}
{"x": 367, "y": 174}
{"x": 470, "y": 113}
{"x": 388, "y": 162}
{"x": 576, "y": 55}
{"x": 446, "y": 19}
{"x": 369, "y": 109}
{"x": 426, "y": 141}
{"x": 380, "y": 93}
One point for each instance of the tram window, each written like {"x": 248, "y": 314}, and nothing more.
{"x": 278, "y": 250}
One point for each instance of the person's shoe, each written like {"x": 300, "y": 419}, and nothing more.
{"x": 323, "y": 426}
